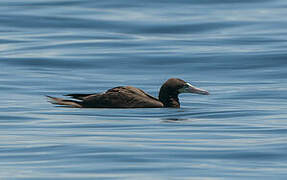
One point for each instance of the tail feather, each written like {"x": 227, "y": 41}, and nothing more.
{"x": 60, "y": 101}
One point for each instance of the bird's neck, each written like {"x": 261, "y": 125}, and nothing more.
{"x": 168, "y": 99}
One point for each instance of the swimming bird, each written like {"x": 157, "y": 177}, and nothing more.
{"x": 131, "y": 97}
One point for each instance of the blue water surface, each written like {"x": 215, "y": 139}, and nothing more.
{"x": 236, "y": 49}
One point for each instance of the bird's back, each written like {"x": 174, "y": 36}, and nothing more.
{"x": 121, "y": 97}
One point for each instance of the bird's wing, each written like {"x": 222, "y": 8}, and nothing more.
{"x": 122, "y": 97}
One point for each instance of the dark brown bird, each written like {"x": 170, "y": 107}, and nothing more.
{"x": 131, "y": 97}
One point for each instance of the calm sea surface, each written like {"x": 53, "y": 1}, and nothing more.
{"x": 236, "y": 49}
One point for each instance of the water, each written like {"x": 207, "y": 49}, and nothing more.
{"x": 234, "y": 49}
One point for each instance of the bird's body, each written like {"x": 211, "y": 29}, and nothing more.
{"x": 119, "y": 97}
{"x": 130, "y": 97}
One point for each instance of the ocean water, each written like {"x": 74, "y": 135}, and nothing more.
{"x": 235, "y": 49}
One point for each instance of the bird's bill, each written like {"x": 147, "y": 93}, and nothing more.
{"x": 188, "y": 88}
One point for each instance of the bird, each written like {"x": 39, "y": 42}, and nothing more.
{"x": 131, "y": 97}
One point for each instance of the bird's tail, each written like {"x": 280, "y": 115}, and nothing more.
{"x": 60, "y": 101}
